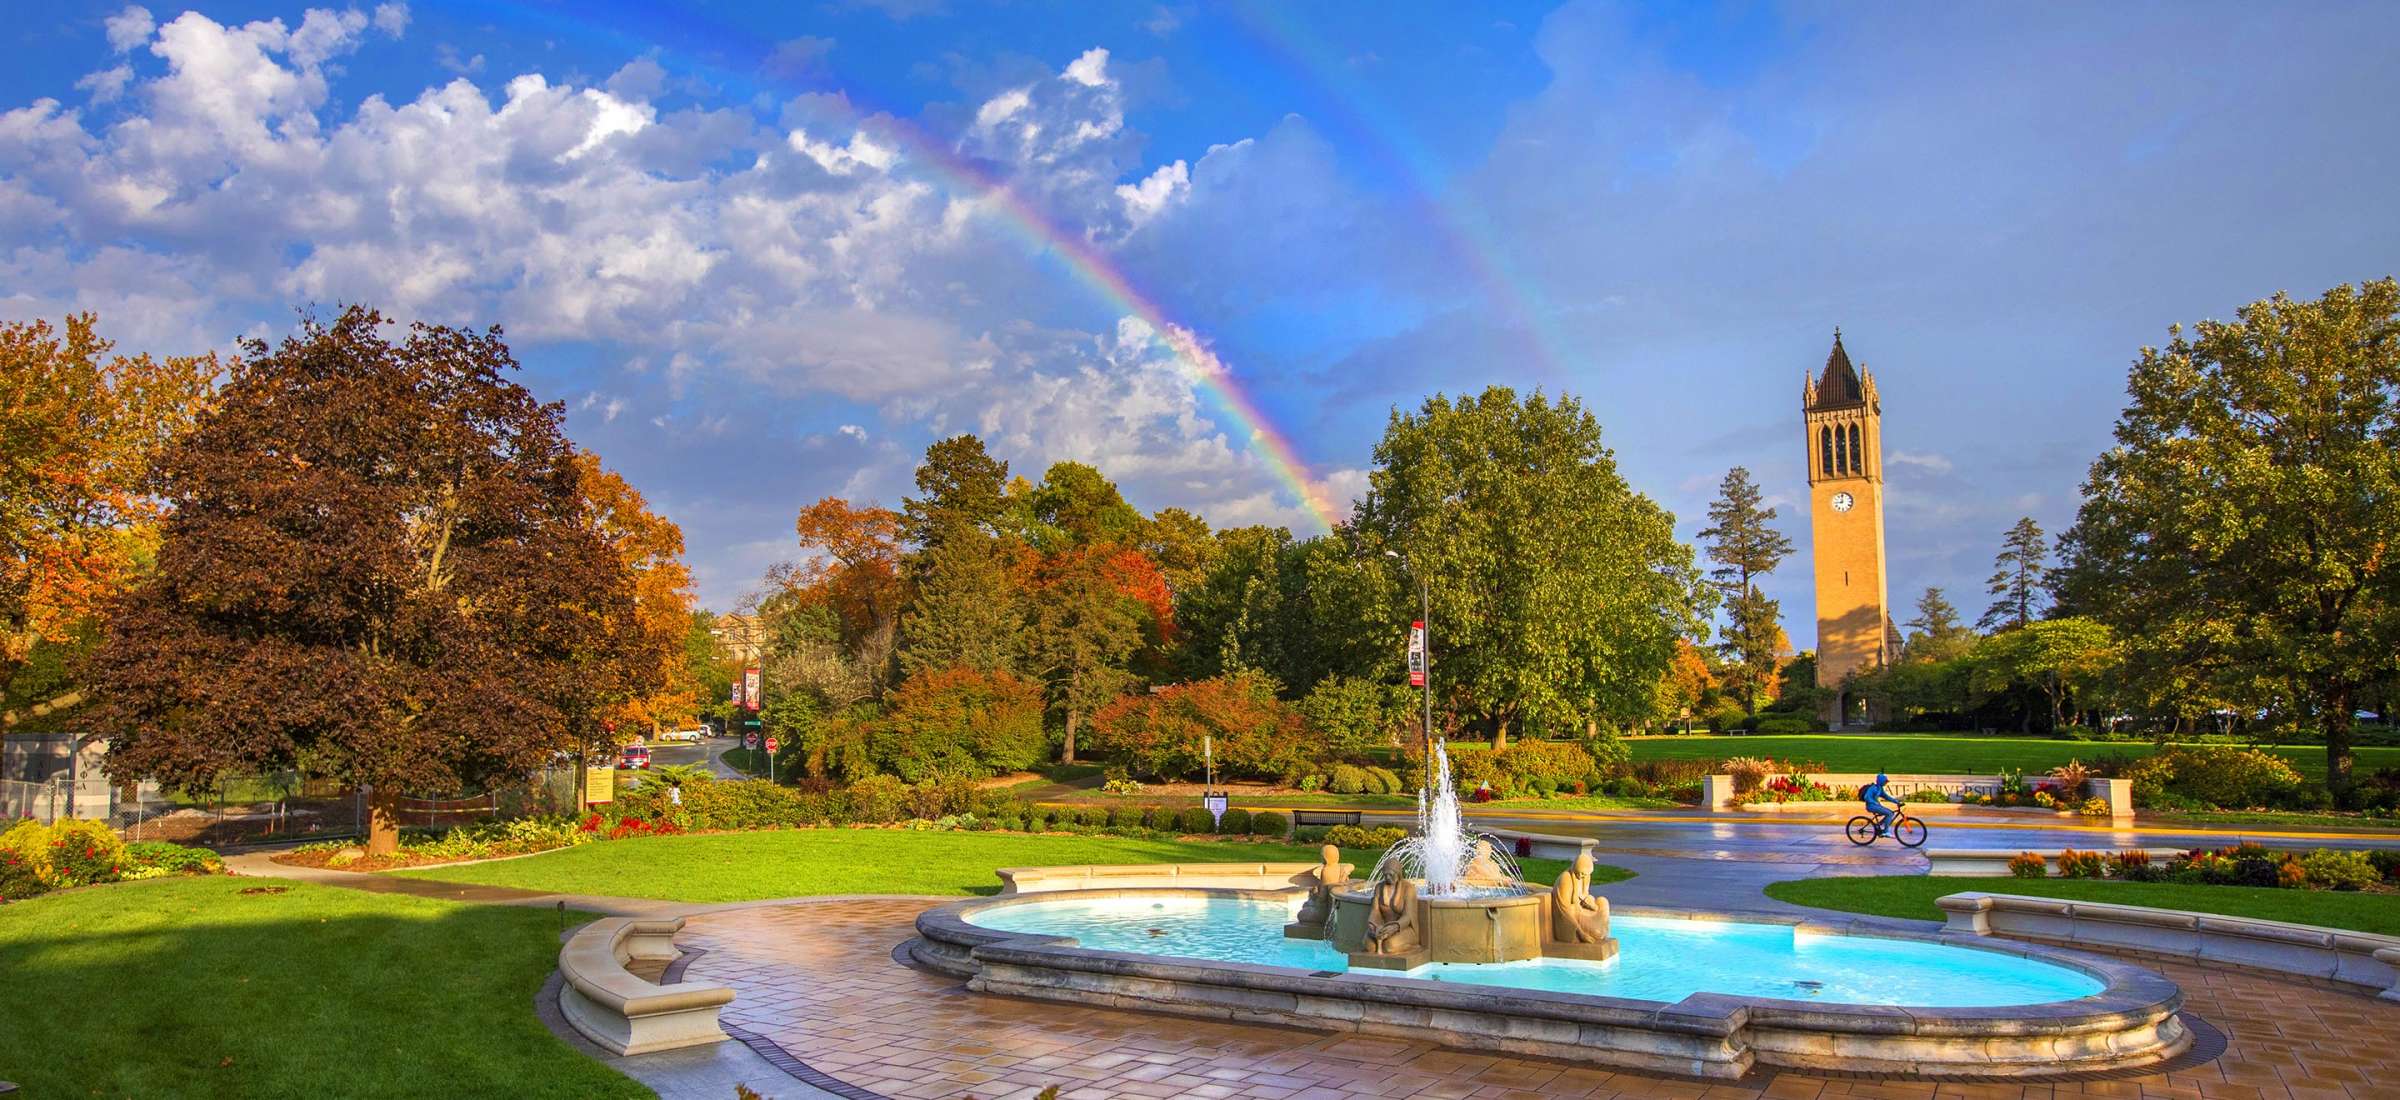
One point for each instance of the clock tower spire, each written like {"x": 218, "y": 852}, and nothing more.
{"x": 1844, "y": 423}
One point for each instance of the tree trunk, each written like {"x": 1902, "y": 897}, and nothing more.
{"x": 1068, "y": 755}
{"x": 383, "y": 821}
{"x": 1499, "y": 734}
{"x": 2338, "y": 717}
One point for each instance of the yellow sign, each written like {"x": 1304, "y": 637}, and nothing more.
{"x": 599, "y": 785}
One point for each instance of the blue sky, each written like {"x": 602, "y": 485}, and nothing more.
{"x": 734, "y": 242}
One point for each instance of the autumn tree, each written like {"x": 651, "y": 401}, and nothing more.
{"x": 836, "y": 616}
{"x": 376, "y": 565}
{"x": 1082, "y": 633}
{"x": 81, "y": 429}
{"x": 1746, "y": 548}
{"x": 959, "y": 722}
{"x": 2243, "y": 525}
{"x": 662, "y": 686}
{"x": 1558, "y": 592}
{"x": 2017, "y": 582}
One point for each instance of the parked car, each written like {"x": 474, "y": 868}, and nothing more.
{"x": 694, "y": 734}
{"x": 635, "y": 756}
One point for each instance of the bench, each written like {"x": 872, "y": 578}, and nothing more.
{"x": 608, "y": 1003}
{"x": 1304, "y": 818}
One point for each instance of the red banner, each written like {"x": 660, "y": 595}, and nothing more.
{"x": 1416, "y": 654}
{"x": 750, "y": 689}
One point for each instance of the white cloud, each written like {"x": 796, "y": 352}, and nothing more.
{"x": 392, "y": 19}
{"x": 1089, "y": 70}
{"x": 106, "y": 84}
{"x": 128, "y": 28}
{"x": 1926, "y": 461}
{"x": 1155, "y": 191}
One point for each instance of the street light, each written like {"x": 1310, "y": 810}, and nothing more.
{"x": 1424, "y": 615}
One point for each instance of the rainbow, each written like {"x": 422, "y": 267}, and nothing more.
{"x": 1089, "y": 266}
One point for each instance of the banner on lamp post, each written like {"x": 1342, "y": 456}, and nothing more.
{"x": 750, "y": 688}
{"x": 1416, "y": 654}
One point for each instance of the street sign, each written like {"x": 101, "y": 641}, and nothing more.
{"x": 1215, "y": 801}
{"x": 771, "y": 746}
{"x": 749, "y": 740}
{"x": 750, "y": 697}
{"x": 599, "y": 785}
{"x": 1416, "y": 654}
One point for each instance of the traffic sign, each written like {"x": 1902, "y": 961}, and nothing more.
{"x": 771, "y": 746}
{"x": 1215, "y": 802}
{"x": 749, "y": 740}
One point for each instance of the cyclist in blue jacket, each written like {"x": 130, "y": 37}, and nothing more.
{"x": 1877, "y": 800}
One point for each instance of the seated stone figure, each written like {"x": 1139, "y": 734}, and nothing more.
{"x": 1483, "y": 866}
{"x": 1392, "y": 918}
{"x": 1330, "y": 877}
{"x": 1576, "y": 914}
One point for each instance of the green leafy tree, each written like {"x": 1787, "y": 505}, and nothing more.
{"x": 2018, "y": 574}
{"x": 1558, "y": 592}
{"x": 2245, "y": 522}
{"x": 1938, "y": 635}
{"x": 1076, "y": 506}
{"x": 968, "y": 611}
{"x": 1083, "y": 631}
{"x": 1183, "y": 546}
{"x": 961, "y": 491}
{"x": 376, "y": 565}
{"x": 1232, "y": 620}
{"x": 1351, "y": 718}
{"x": 2057, "y": 657}
{"x": 1745, "y": 547}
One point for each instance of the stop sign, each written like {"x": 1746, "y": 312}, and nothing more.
{"x": 770, "y": 744}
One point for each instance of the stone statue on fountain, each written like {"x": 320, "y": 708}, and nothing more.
{"x": 1332, "y": 874}
{"x": 1392, "y": 917}
{"x": 1578, "y": 917}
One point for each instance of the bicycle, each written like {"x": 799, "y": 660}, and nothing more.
{"x": 1909, "y": 831}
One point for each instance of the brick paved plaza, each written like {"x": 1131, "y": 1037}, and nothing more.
{"x": 818, "y": 980}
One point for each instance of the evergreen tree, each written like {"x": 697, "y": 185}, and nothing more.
{"x": 2017, "y": 577}
{"x": 1746, "y": 548}
{"x": 1084, "y": 630}
{"x": 961, "y": 489}
{"x": 1939, "y": 636}
{"x": 968, "y": 612}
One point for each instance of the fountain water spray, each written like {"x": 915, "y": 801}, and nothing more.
{"x": 1443, "y": 850}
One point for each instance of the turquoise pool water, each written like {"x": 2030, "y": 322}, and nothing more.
{"x": 1657, "y": 960}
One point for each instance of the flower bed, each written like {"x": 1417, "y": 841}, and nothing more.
{"x": 36, "y": 858}
{"x": 2241, "y": 865}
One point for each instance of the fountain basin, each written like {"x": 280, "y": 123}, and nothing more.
{"x": 1487, "y": 929}
{"x": 2124, "y": 1016}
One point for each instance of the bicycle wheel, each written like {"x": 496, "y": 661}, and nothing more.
{"x": 1909, "y": 831}
{"x": 1862, "y": 830}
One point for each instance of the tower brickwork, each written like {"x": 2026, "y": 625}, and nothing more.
{"x": 1844, "y": 420}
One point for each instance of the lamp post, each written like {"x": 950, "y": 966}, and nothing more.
{"x": 1425, "y": 616}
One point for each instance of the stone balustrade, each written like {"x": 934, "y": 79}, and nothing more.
{"x": 623, "y": 1012}
{"x": 1993, "y": 862}
{"x": 2355, "y": 959}
{"x": 1205, "y": 876}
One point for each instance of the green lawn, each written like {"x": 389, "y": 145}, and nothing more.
{"x": 190, "y": 987}
{"x": 793, "y": 863}
{"x": 1913, "y": 895}
{"x": 1933, "y": 753}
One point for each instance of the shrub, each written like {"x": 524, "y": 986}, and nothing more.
{"x": 81, "y": 853}
{"x": 2387, "y": 862}
{"x": 1560, "y": 762}
{"x": 175, "y": 859}
{"x": 2331, "y": 870}
{"x": 2133, "y": 865}
{"x": 1386, "y": 780}
{"x": 1310, "y": 834}
{"x": 2093, "y": 807}
{"x": 1236, "y": 822}
{"x": 1270, "y": 823}
{"x": 24, "y": 853}
{"x": 1125, "y": 817}
{"x": 959, "y": 721}
{"x": 2074, "y": 864}
{"x": 2028, "y": 865}
{"x": 1160, "y": 734}
{"x": 1194, "y": 820}
{"x": 1357, "y": 836}
{"x": 877, "y": 799}
{"x": 2290, "y": 875}
{"x": 1351, "y": 717}
{"x": 1747, "y": 772}
{"x": 2072, "y": 777}
{"x": 1783, "y": 723}
{"x": 1349, "y": 779}
{"x": 2212, "y": 775}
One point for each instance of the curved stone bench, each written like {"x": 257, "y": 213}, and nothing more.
{"x": 623, "y": 1012}
{"x": 1207, "y": 876}
{"x": 1993, "y": 862}
{"x": 2357, "y": 959}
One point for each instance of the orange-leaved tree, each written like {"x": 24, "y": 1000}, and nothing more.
{"x": 662, "y": 685}
{"x": 80, "y": 429}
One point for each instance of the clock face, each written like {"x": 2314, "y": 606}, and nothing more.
{"x": 1842, "y": 502}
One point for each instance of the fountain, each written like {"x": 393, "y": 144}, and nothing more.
{"x": 1451, "y": 895}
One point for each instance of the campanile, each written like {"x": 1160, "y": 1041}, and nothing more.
{"x": 1844, "y": 422}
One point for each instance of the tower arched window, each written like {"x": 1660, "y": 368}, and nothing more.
{"x": 1825, "y": 445}
{"x": 1841, "y": 450}
{"x": 1858, "y": 455}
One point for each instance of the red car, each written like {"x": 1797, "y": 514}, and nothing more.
{"x": 635, "y": 756}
